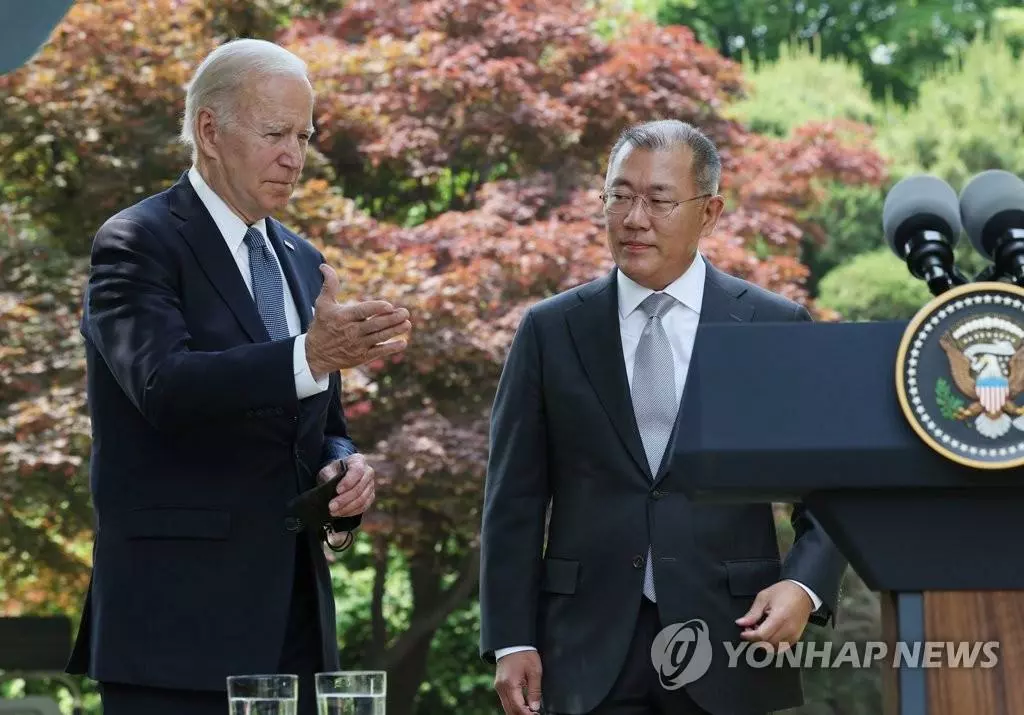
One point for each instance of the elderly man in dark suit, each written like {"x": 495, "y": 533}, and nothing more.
{"x": 214, "y": 344}
{"x": 581, "y": 427}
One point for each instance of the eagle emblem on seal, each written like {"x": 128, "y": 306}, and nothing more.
{"x": 986, "y": 363}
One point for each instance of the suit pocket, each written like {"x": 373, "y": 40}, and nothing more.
{"x": 176, "y": 523}
{"x": 560, "y": 576}
{"x": 747, "y": 577}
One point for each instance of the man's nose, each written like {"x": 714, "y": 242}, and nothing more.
{"x": 637, "y": 217}
{"x": 293, "y": 155}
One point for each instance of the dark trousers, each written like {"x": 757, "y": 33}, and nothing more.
{"x": 302, "y": 650}
{"x": 637, "y": 690}
{"x": 301, "y": 656}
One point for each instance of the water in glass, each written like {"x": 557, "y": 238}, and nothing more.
{"x": 262, "y": 706}
{"x": 345, "y": 704}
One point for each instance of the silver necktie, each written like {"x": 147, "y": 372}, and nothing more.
{"x": 654, "y": 394}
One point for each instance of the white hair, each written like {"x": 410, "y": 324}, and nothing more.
{"x": 221, "y": 78}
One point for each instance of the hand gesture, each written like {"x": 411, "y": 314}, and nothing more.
{"x": 346, "y": 336}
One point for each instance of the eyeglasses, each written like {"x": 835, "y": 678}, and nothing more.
{"x": 617, "y": 202}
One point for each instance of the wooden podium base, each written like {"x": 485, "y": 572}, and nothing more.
{"x": 956, "y": 617}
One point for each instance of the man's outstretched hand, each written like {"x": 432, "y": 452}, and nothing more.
{"x": 346, "y": 336}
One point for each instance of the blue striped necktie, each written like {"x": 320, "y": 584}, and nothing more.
{"x": 267, "y": 285}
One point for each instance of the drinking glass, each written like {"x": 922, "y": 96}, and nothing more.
{"x": 263, "y": 694}
{"x": 358, "y": 692}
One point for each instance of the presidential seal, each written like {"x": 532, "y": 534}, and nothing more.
{"x": 960, "y": 374}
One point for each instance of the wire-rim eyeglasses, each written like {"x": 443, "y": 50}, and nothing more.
{"x": 616, "y": 202}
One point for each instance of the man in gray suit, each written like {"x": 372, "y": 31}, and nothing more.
{"x": 582, "y": 420}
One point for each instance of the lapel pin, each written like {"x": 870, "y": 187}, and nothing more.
{"x": 289, "y": 244}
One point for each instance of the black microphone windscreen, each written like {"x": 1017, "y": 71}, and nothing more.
{"x": 986, "y": 195}
{"x": 25, "y": 27}
{"x": 926, "y": 201}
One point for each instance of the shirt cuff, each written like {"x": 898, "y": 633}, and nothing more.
{"x": 305, "y": 385}
{"x": 502, "y": 652}
{"x": 812, "y": 594}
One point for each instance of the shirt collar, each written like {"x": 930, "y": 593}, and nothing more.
{"x": 231, "y": 227}
{"x": 688, "y": 289}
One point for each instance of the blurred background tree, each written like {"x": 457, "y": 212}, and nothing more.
{"x": 967, "y": 118}
{"x": 803, "y": 85}
{"x": 894, "y": 43}
{"x": 962, "y": 122}
{"x": 874, "y": 285}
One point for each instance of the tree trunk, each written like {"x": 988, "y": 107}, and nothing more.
{"x": 406, "y": 659}
{"x": 405, "y": 676}
{"x": 378, "y": 625}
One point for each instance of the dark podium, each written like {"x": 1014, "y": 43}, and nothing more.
{"x": 810, "y": 412}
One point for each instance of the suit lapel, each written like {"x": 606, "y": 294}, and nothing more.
{"x": 213, "y": 256}
{"x": 277, "y": 235}
{"x": 722, "y": 301}
{"x": 593, "y": 325}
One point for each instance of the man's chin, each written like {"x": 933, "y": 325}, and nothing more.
{"x": 637, "y": 268}
{"x": 275, "y": 204}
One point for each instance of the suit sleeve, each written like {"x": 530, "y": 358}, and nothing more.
{"x": 814, "y": 560}
{"x": 515, "y": 501}
{"x": 133, "y": 316}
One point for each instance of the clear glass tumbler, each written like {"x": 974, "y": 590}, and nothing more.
{"x": 360, "y": 692}
{"x": 263, "y": 694}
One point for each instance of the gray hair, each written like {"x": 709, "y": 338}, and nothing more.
{"x": 221, "y": 78}
{"x": 667, "y": 133}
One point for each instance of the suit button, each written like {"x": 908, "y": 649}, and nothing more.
{"x": 638, "y": 562}
{"x": 293, "y": 524}
{"x": 657, "y": 494}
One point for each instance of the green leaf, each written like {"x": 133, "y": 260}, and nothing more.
{"x": 949, "y": 403}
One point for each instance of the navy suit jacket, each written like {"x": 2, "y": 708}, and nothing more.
{"x": 199, "y": 442}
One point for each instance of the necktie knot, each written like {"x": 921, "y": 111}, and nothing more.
{"x": 254, "y": 239}
{"x": 657, "y": 304}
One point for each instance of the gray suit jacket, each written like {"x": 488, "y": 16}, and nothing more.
{"x": 563, "y": 434}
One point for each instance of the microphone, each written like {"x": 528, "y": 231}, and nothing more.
{"x": 992, "y": 206}
{"x": 921, "y": 222}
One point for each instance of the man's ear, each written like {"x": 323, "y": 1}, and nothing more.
{"x": 208, "y": 134}
{"x": 713, "y": 208}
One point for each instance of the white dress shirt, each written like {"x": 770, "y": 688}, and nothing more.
{"x": 680, "y": 323}
{"x": 233, "y": 230}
